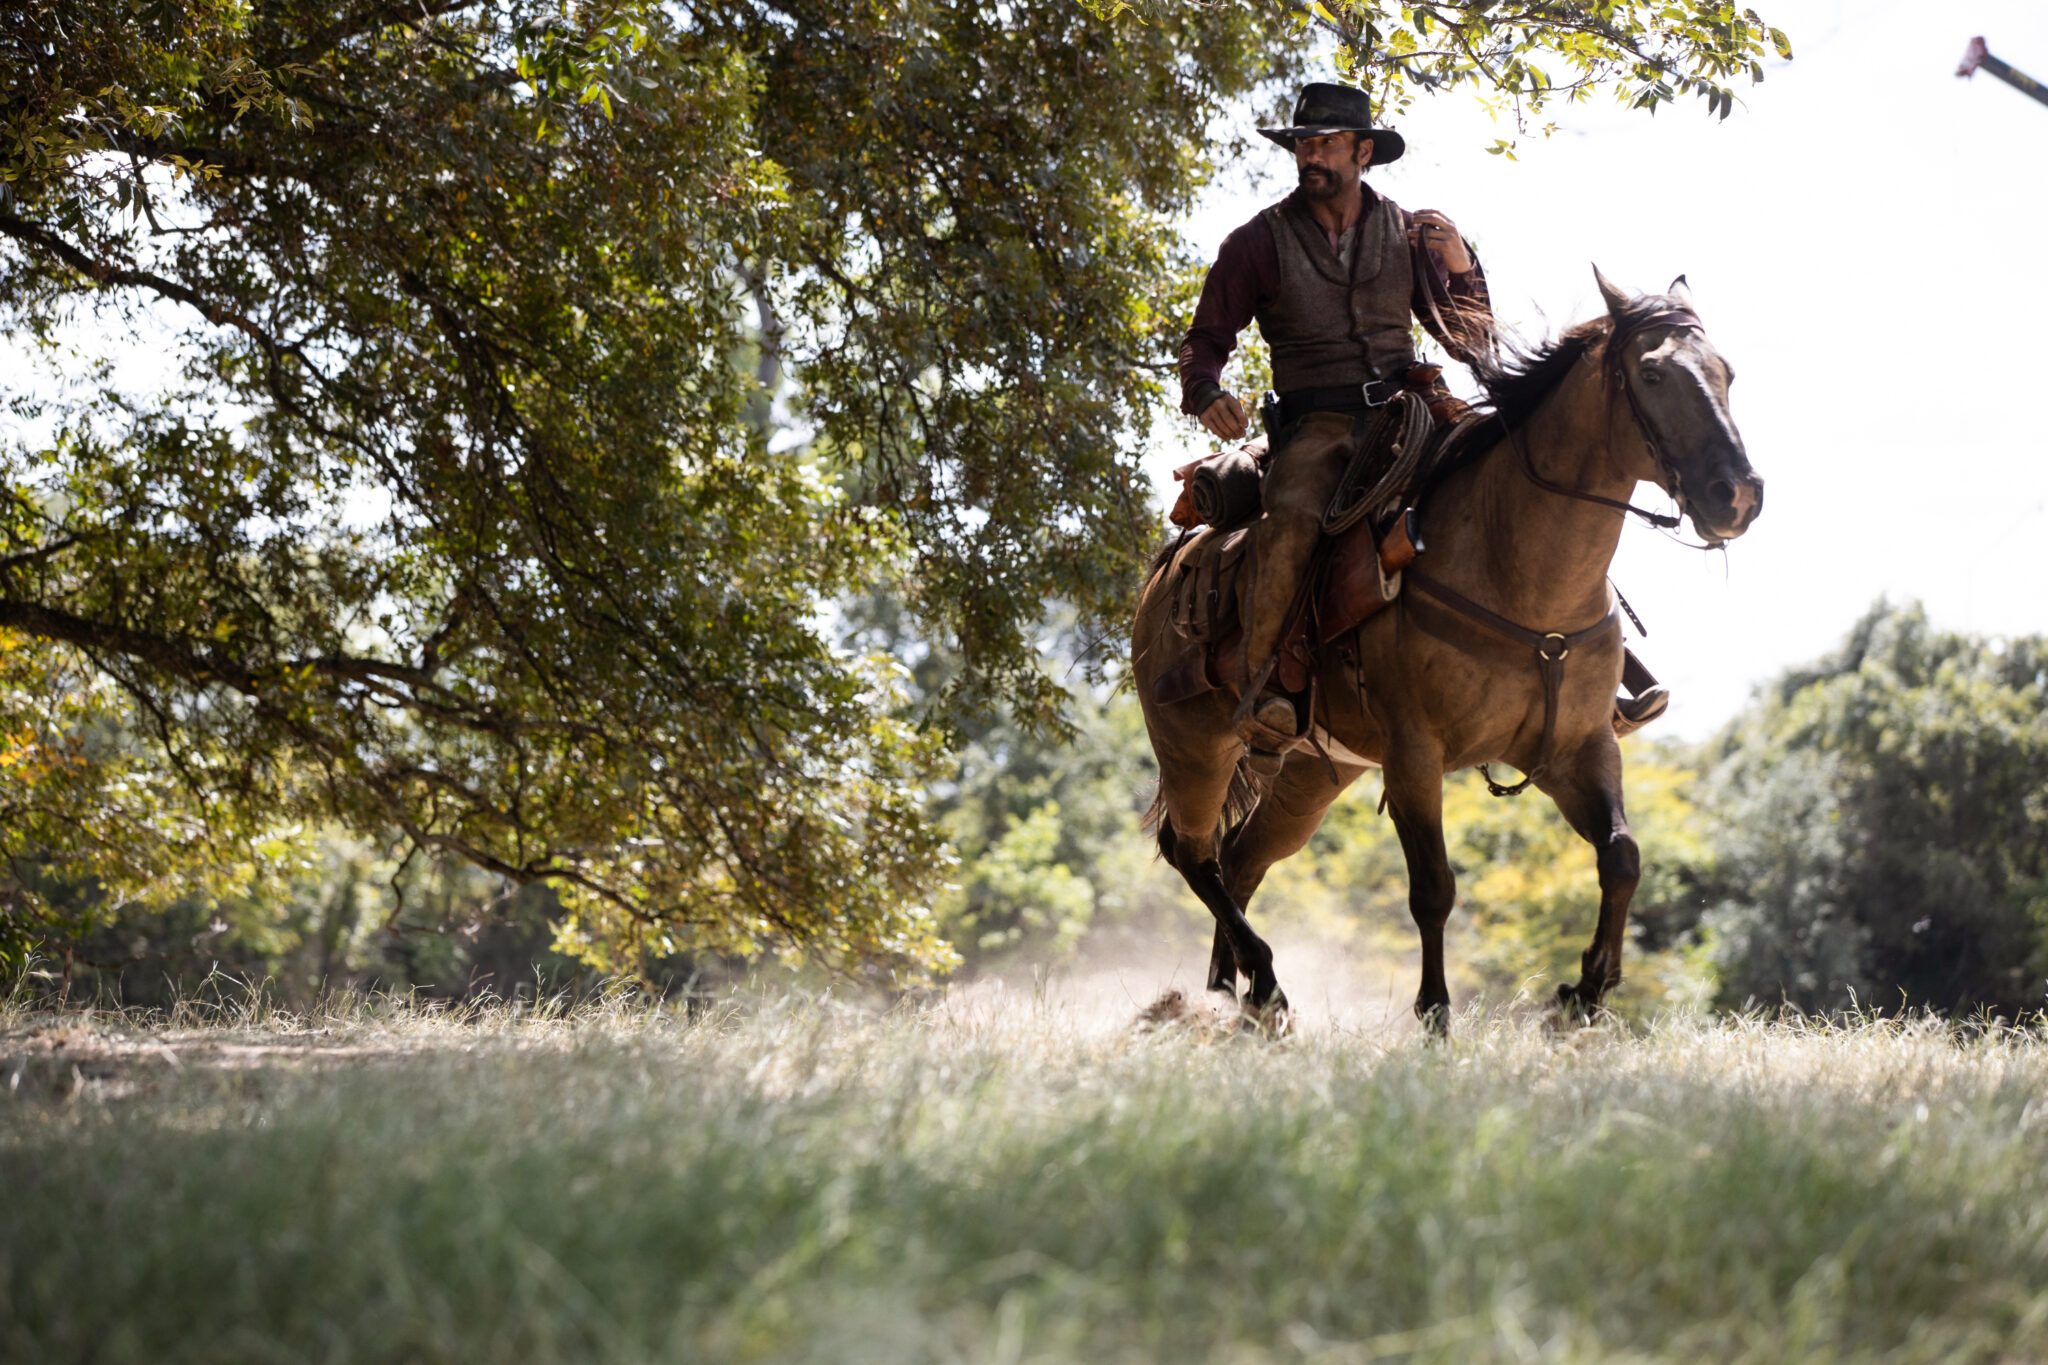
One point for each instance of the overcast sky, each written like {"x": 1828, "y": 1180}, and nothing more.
{"x": 1861, "y": 243}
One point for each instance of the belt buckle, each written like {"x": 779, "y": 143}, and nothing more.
{"x": 1366, "y": 391}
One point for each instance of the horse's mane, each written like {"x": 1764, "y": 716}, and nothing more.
{"x": 1517, "y": 378}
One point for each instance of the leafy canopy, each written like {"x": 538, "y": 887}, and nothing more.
{"x": 1519, "y": 57}
{"x": 1883, "y": 827}
{"x": 412, "y": 443}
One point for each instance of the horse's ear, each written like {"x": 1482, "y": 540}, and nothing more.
{"x": 1681, "y": 289}
{"x": 1617, "y": 298}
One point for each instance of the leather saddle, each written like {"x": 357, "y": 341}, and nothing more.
{"x": 1355, "y": 576}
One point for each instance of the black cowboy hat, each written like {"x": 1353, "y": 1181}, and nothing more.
{"x": 1323, "y": 109}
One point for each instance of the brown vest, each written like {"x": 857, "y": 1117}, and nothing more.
{"x": 1329, "y": 325}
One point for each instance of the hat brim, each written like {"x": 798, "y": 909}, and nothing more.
{"x": 1387, "y": 145}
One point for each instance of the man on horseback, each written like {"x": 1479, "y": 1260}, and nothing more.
{"x": 1332, "y": 274}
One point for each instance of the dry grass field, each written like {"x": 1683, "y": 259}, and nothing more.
{"x": 998, "y": 1178}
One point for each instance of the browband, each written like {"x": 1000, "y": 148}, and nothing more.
{"x": 1675, "y": 317}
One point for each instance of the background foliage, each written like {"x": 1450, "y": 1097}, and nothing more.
{"x": 684, "y": 462}
{"x": 1882, "y": 824}
{"x": 1867, "y": 834}
{"x": 1519, "y": 57}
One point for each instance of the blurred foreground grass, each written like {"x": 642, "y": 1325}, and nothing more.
{"x": 789, "y": 1179}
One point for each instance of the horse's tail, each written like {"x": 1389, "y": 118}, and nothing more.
{"x": 1239, "y": 800}
{"x": 1154, "y": 818}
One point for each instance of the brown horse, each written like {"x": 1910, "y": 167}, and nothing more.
{"x": 1505, "y": 648}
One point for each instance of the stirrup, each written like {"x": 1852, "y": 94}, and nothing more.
{"x": 1278, "y": 712}
{"x": 1633, "y": 713}
{"x": 1265, "y": 764}
{"x": 1275, "y": 724}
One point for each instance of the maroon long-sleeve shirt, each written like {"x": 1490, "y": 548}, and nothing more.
{"x": 1246, "y": 275}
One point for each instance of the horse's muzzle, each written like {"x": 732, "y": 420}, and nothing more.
{"x": 1725, "y": 508}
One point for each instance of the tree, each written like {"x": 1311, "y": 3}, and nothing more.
{"x": 1882, "y": 823}
{"x": 537, "y": 376}
{"x": 459, "y": 516}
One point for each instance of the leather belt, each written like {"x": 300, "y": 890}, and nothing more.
{"x": 1296, "y": 404}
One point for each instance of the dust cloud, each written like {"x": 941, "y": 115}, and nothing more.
{"x": 1330, "y": 986}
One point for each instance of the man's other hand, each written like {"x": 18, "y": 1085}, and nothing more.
{"x": 1441, "y": 235}
{"x": 1223, "y": 417}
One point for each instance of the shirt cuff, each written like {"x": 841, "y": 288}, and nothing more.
{"x": 1197, "y": 399}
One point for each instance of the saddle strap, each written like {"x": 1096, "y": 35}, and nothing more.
{"x": 1551, "y": 648}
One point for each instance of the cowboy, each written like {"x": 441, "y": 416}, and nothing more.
{"x": 1332, "y": 274}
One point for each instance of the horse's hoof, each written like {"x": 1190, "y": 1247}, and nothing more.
{"x": 1577, "y": 1005}
{"x": 1436, "y": 1019}
{"x": 1270, "y": 1020}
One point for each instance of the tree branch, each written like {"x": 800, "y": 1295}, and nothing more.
{"x": 106, "y": 274}
{"x": 163, "y": 653}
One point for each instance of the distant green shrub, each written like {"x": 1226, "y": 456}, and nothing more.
{"x": 1881, "y": 820}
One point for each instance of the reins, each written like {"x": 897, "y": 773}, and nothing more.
{"x": 1663, "y": 521}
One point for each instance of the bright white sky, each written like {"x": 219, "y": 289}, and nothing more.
{"x": 1858, "y": 242}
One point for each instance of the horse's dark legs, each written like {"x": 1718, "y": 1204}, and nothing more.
{"x": 1222, "y": 964}
{"x": 1588, "y": 793}
{"x": 1415, "y": 797}
{"x": 1289, "y": 812}
{"x": 1253, "y": 956}
{"x": 1250, "y": 953}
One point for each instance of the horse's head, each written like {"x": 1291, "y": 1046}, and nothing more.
{"x": 1674, "y": 384}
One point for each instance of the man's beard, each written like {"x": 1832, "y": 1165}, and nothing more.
{"x": 1319, "y": 183}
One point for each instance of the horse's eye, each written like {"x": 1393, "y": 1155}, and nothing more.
{"x": 1651, "y": 372}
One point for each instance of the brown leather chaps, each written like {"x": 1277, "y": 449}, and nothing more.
{"x": 1300, "y": 480}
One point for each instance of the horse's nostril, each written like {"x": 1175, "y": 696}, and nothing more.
{"x": 1721, "y": 491}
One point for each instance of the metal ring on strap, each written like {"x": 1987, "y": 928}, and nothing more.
{"x": 1551, "y": 648}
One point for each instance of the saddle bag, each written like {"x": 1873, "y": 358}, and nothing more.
{"x": 1221, "y": 489}
{"x": 1225, "y": 488}
{"x": 1204, "y": 583}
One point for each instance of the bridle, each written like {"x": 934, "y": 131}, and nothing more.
{"x": 1617, "y": 377}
